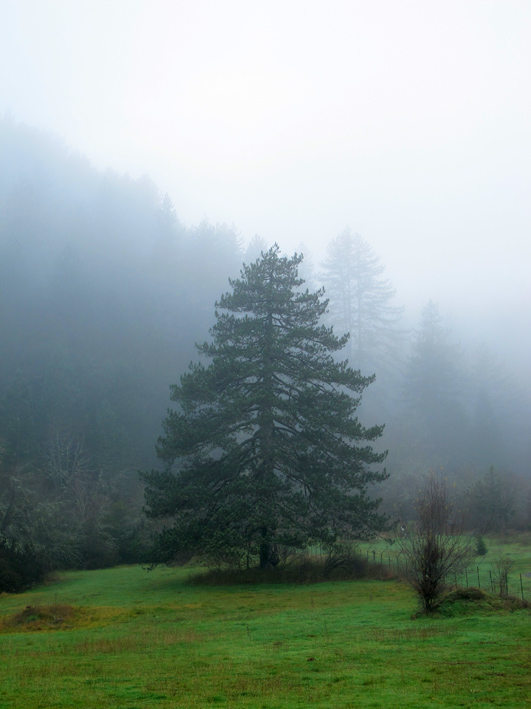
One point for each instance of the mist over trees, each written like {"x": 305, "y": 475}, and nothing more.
{"x": 265, "y": 451}
{"x": 361, "y": 302}
{"x": 446, "y": 405}
{"x": 104, "y": 293}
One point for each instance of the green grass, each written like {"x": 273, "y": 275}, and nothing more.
{"x": 128, "y": 638}
{"x": 482, "y": 572}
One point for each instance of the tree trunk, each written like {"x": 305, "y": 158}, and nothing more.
{"x": 269, "y": 557}
{"x": 265, "y": 555}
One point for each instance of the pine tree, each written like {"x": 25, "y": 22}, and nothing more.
{"x": 433, "y": 389}
{"x": 360, "y": 301}
{"x": 433, "y": 377}
{"x": 265, "y": 450}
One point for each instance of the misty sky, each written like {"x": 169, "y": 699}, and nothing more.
{"x": 409, "y": 121}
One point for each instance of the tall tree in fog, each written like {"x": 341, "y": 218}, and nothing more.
{"x": 490, "y": 404}
{"x": 361, "y": 301}
{"x": 97, "y": 314}
{"x": 433, "y": 378}
{"x": 255, "y": 247}
{"x": 499, "y": 412}
{"x": 265, "y": 448}
{"x": 434, "y": 389}
{"x": 167, "y": 236}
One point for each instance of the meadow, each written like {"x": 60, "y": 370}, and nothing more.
{"x": 127, "y": 637}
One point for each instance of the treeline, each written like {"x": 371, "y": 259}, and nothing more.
{"x": 103, "y": 293}
{"x": 447, "y": 405}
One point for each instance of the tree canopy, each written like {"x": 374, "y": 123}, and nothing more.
{"x": 265, "y": 450}
{"x": 434, "y": 384}
{"x": 360, "y": 301}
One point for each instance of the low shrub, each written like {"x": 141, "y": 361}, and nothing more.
{"x": 20, "y": 568}
{"x": 301, "y": 569}
{"x": 481, "y": 547}
{"x": 463, "y": 601}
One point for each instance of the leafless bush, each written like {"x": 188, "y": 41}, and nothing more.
{"x": 500, "y": 569}
{"x": 435, "y": 548}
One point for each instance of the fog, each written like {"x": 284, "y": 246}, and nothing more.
{"x": 406, "y": 122}
{"x": 409, "y": 122}
{"x": 148, "y": 150}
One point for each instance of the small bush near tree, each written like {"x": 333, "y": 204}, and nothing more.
{"x": 481, "y": 547}
{"x": 436, "y": 548}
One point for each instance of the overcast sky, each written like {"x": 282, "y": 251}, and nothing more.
{"x": 408, "y": 121}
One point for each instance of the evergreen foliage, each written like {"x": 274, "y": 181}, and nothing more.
{"x": 435, "y": 425}
{"x": 481, "y": 547}
{"x": 103, "y": 292}
{"x": 491, "y": 502}
{"x": 360, "y": 301}
{"x": 433, "y": 375}
{"x": 265, "y": 450}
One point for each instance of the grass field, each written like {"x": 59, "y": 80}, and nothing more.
{"x": 483, "y": 572}
{"x": 129, "y": 638}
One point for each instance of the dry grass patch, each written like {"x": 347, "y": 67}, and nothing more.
{"x": 51, "y": 617}
{"x": 41, "y": 618}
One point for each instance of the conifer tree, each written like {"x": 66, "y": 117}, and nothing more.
{"x": 265, "y": 449}
{"x": 361, "y": 302}
{"x": 433, "y": 389}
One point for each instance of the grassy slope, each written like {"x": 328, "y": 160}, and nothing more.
{"x": 141, "y": 640}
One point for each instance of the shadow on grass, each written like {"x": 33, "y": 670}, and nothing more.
{"x": 301, "y": 571}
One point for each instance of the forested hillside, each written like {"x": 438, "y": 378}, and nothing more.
{"x": 103, "y": 293}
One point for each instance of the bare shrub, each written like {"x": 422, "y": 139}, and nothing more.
{"x": 500, "y": 568}
{"x": 435, "y": 548}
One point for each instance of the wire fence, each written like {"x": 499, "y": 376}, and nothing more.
{"x": 493, "y": 577}
{"x": 490, "y": 575}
